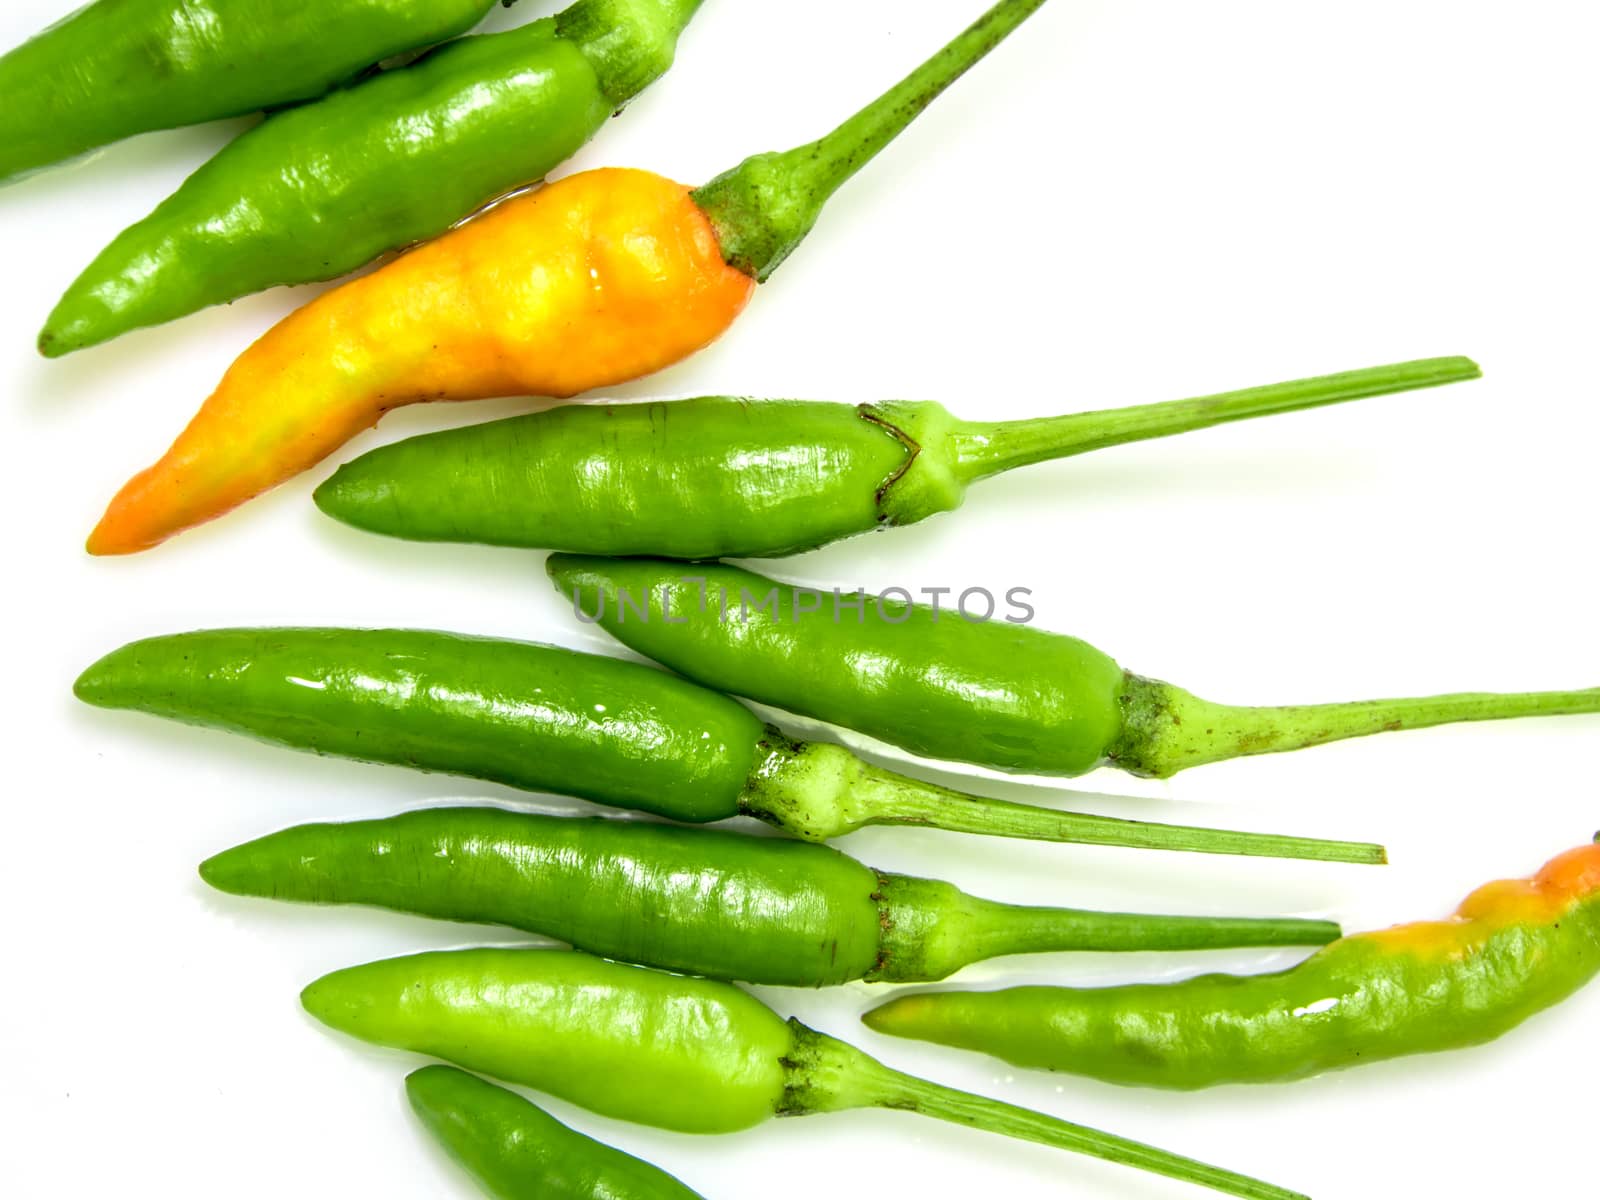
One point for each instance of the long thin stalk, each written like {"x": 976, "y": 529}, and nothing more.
{"x": 882, "y": 797}
{"x": 996, "y": 1116}
{"x": 1169, "y": 729}
{"x": 827, "y": 1075}
{"x": 998, "y": 929}
{"x": 987, "y": 448}
{"x": 763, "y": 208}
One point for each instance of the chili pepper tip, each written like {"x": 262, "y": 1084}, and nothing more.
{"x": 432, "y": 1089}
{"x": 330, "y": 1003}
{"x": 221, "y": 872}
{"x": 94, "y": 686}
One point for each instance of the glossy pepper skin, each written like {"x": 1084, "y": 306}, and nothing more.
{"x": 320, "y": 190}
{"x": 601, "y": 277}
{"x": 687, "y": 479}
{"x": 517, "y": 1151}
{"x": 119, "y": 67}
{"x": 692, "y": 1055}
{"x": 725, "y": 476}
{"x": 1512, "y": 949}
{"x": 960, "y": 687}
{"x": 546, "y": 719}
{"x": 726, "y": 905}
{"x": 533, "y": 717}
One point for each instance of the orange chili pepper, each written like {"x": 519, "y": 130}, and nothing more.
{"x": 602, "y": 277}
{"x": 599, "y": 278}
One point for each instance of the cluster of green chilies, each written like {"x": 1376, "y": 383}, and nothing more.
{"x": 547, "y": 719}
{"x": 320, "y": 190}
{"x": 116, "y": 68}
{"x": 317, "y": 190}
{"x": 1512, "y": 948}
{"x": 651, "y": 1030}
{"x": 672, "y": 1051}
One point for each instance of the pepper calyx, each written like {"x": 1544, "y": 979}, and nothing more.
{"x": 759, "y": 214}
{"x": 923, "y": 930}
{"x": 803, "y": 788}
{"x": 927, "y": 483}
{"x": 822, "y": 1074}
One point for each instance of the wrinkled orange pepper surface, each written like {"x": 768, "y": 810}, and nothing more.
{"x": 1561, "y": 885}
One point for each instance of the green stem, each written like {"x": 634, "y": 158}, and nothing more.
{"x": 827, "y": 1075}
{"x": 983, "y": 449}
{"x": 879, "y": 797}
{"x": 763, "y": 208}
{"x": 931, "y": 929}
{"x": 1167, "y": 729}
{"x": 1016, "y": 929}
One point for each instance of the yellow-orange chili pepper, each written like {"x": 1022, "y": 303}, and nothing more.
{"x": 602, "y": 277}
{"x": 599, "y": 278}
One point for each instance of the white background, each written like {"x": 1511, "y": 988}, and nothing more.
{"x": 1133, "y": 200}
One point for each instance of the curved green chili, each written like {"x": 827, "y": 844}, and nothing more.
{"x": 520, "y": 1152}
{"x": 546, "y": 719}
{"x": 955, "y": 684}
{"x": 1512, "y": 949}
{"x": 761, "y": 910}
{"x": 320, "y": 190}
{"x": 722, "y": 476}
{"x": 116, "y": 68}
{"x": 692, "y": 1055}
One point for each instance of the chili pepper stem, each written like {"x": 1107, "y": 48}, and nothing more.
{"x": 1167, "y": 729}
{"x": 887, "y": 801}
{"x": 827, "y": 1075}
{"x": 819, "y": 791}
{"x": 1014, "y": 929}
{"x": 931, "y": 930}
{"x": 947, "y": 455}
{"x": 763, "y": 208}
{"x": 979, "y": 450}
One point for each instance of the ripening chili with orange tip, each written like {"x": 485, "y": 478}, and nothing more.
{"x": 1512, "y": 949}
{"x": 599, "y": 278}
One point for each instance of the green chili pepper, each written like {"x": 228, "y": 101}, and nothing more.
{"x": 762, "y": 910}
{"x": 546, "y": 719}
{"x": 692, "y": 1055}
{"x": 951, "y": 684}
{"x": 723, "y": 476}
{"x": 120, "y": 67}
{"x": 520, "y": 1152}
{"x": 1513, "y": 948}
{"x": 320, "y": 190}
